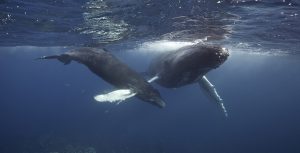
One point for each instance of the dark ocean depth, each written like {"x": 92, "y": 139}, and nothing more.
{"x": 48, "y": 107}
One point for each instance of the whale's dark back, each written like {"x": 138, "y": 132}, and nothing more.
{"x": 106, "y": 66}
{"x": 187, "y": 64}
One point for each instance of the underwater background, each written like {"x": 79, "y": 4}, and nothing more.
{"x": 48, "y": 107}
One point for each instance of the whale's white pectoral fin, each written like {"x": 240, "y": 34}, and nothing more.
{"x": 116, "y": 96}
{"x": 212, "y": 92}
{"x": 153, "y": 79}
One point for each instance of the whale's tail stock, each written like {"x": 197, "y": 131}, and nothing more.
{"x": 66, "y": 59}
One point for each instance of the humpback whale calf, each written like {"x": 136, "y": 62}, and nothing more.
{"x": 128, "y": 82}
{"x": 189, "y": 65}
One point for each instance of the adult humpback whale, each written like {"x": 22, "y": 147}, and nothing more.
{"x": 110, "y": 69}
{"x": 189, "y": 65}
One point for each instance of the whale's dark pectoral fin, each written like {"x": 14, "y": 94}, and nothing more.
{"x": 62, "y": 58}
{"x": 211, "y": 92}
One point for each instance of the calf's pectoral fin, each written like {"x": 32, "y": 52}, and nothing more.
{"x": 116, "y": 96}
{"x": 211, "y": 92}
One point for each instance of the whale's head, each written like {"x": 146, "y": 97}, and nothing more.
{"x": 216, "y": 56}
{"x": 153, "y": 97}
{"x": 204, "y": 57}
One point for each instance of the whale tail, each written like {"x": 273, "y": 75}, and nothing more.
{"x": 62, "y": 58}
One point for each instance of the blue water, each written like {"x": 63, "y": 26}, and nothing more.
{"x": 47, "y": 107}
